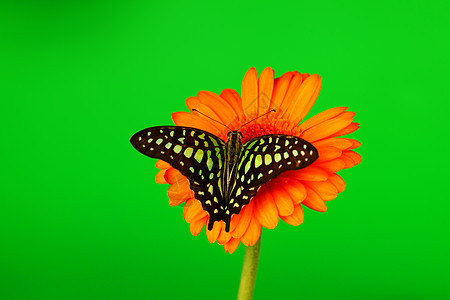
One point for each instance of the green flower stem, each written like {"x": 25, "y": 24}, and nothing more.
{"x": 249, "y": 268}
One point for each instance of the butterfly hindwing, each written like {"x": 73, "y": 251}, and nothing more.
{"x": 239, "y": 196}
{"x": 265, "y": 157}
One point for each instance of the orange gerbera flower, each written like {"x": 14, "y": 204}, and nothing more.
{"x": 292, "y": 96}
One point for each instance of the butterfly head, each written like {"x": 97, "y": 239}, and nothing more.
{"x": 234, "y": 143}
{"x": 234, "y": 136}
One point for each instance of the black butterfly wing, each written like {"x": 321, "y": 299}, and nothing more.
{"x": 239, "y": 196}
{"x": 197, "y": 154}
{"x": 266, "y": 157}
{"x": 262, "y": 159}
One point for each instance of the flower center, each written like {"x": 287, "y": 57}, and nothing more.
{"x": 268, "y": 125}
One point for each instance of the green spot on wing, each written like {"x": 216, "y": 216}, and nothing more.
{"x": 177, "y": 149}
{"x": 209, "y": 161}
{"x": 258, "y": 160}
{"x": 219, "y": 157}
{"x": 188, "y": 152}
{"x": 215, "y": 143}
{"x": 247, "y": 166}
{"x": 252, "y": 144}
{"x": 199, "y": 155}
{"x": 243, "y": 158}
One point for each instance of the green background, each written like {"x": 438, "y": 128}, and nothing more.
{"x": 81, "y": 216}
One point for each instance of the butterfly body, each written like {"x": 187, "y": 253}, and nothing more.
{"x": 233, "y": 149}
{"x": 224, "y": 176}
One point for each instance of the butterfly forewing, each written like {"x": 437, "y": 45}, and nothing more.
{"x": 265, "y": 157}
{"x": 197, "y": 154}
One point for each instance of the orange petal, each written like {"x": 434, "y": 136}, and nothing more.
{"x": 190, "y": 120}
{"x": 347, "y": 130}
{"x": 296, "y": 218}
{"x": 340, "y": 143}
{"x": 177, "y": 200}
{"x": 214, "y": 233}
{"x": 179, "y": 192}
{"x": 310, "y": 173}
{"x": 197, "y": 226}
{"x": 325, "y": 129}
{"x": 296, "y": 191}
{"x": 189, "y": 203}
{"x": 337, "y": 181}
{"x": 218, "y": 105}
{"x": 291, "y": 96}
{"x": 196, "y": 103}
{"x": 326, "y": 190}
{"x": 332, "y": 166}
{"x": 265, "y": 210}
{"x": 235, "y": 219}
{"x": 355, "y": 157}
{"x": 249, "y": 93}
{"x": 280, "y": 197}
{"x": 243, "y": 221}
{"x": 265, "y": 89}
{"x": 252, "y": 234}
{"x": 159, "y": 178}
{"x": 314, "y": 201}
{"x": 307, "y": 97}
{"x": 173, "y": 175}
{"x": 321, "y": 117}
{"x": 193, "y": 210}
{"x": 355, "y": 143}
{"x": 232, "y": 245}
{"x": 160, "y": 164}
{"x": 234, "y": 100}
{"x": 206, "y": 105}
{"x": 348, "y": 161}
{"x": 279, "y": 91}
{"x": 347, "y": 115}
{"x": 224, "y": 236}
{"x": 311, "y": 102}
{"x": 328, "y": 153}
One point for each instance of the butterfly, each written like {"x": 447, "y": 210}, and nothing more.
{"x": 224, "y": 176}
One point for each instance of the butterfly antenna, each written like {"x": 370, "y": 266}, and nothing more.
{"x": 273, "y": 110}
{"x": 211, "y": 118}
